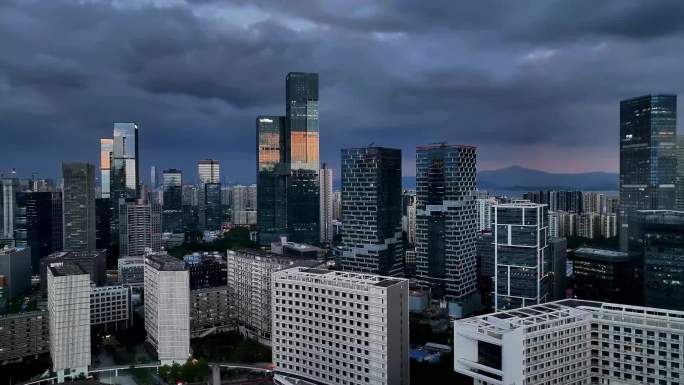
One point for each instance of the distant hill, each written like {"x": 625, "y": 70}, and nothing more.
{"x": 524, "y": 179}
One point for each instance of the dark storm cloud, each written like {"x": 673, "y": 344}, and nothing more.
{"x": 514, "y": 78}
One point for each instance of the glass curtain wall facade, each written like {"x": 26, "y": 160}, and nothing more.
{"x": 106, "y": 148}
{"x": 302, "y": 155}
{"x": 271, "y": 179}
{"x": 125, "y": 175}
{"x": 296, "y": 171}
{"x": 648, "y": 157}
{"x": 172, "y": 214}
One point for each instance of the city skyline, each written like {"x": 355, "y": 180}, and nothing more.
{"x": 190, "y": 109}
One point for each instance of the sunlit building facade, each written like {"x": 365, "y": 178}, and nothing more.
{"x": 648, "y": 157}
{"x": 106, "y": 149}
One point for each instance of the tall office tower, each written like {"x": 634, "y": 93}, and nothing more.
{"x": 559, "y": 259}
{"x": 139, "y": 227}
{"x": 78, "y": 206}
{"x": 68, "y": 287}
{"x": 125, "y": 181}
{"x": 271, "y": 179}
{"x": 484, "y": 213}
{"x": 446, "y": 225}
{"x": 103, "y": 223}
{"x": 172, "y": 184}
{"x": 154, "y": 177}
{"x": 302, "y": 155}
{"x": 607, "y": 275}
{"x": 326, "y": 207}
{"x": 523, "y": 274}
{"x": 648, "y": 160}
{"x": 337, "y": 205}
{"x": 662, "y": 234}
{"x": 249, "y": 290}
{"x": 15, "y": 266}
{"x": 208, "y": 171}
{"x": 288, "y": 164}
{"x": 57, "y": 221}
{"x": 371, "y": 214}
{"x": 680, "y": 172}
{"x": 106, "y": 150}
{"x": 10, "y": 188}
{"x": 213, "y": 215}
{"x": 35, "y": 222}
{"x": 167, "y": 308}
{"x": 572, "y": 342}
{"x": 612, "y": 205}
{"x": 347, "y": 348}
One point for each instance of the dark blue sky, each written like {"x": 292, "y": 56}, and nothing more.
{"x": 535, "y": 83}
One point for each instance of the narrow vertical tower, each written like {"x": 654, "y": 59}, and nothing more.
{"x": 301, "y": 142}
{"x": 79, "y": 206}
{"x": 326, "y": 206}
{"x": 446, "y": 226}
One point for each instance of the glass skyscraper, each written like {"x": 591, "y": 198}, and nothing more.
{"x": 172, "y": 214}
{"x": 648, "y": 157}
{"x": 125, "y": 163}
{"x": 78, "y": 206}
{"x": 302, "y": 156}
{"x": 271, "y": 179}
{"x": 446, "y": 226}
{"x": 371, "y": 211}
{"x": 288, "y": 164}
{"x": 106, "y": 149}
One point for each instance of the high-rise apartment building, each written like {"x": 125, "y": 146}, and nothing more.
{"x": 291, "y": 194}
{"x": 680, "y": 172}
{"x": 139, "y": 227}
{"x": 484, "y": 211}
{"x": 523, "y": 273}
{"x": 607, "y": 275}
{"x": 337, "y": 205}
{"x": 249, "y": 290}
{"x": 446, "y": 225}
{"x": 302, "y": 156}
{"x": 326, "y": 207}
{"x": 167, "y": 308}
{"x": 648, "y": 157}
{"x": 68, "y": 289}
{"x": 371, "y": 211}
{"x": 78, "y": 206}
{"x": 208, "y": 171}
{"x": 154, "y": 177}
{"x": 572, "y": 342}
{"x": 106, "y": 150}
{"x": 332, "y": 327}
{"x": 661, "y": 232}
{"x": 10, "y": 188}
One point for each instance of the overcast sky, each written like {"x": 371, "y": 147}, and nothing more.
{"x": 533, "y": 83}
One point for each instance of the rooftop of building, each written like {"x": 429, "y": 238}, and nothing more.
{"x": 504, "y": 321}
{"x": 62, "y": 269}
{"x": 518, "y": 203}
{"x": 444, "y": 145}
{"x": 601, "y": 254}
{"x": 164, "y": 262}
{"x": 343, "y": 277}
{"x": 258, "y": 253}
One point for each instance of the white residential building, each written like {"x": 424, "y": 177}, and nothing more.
{"x": 69, "y": 291}
{"x": 139, "y": 227}
{"x": 167, "y": 307}
{"x": 572, "y": 342}
{"x": 332, "y": 327}
{"x": 249, "y": 290}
